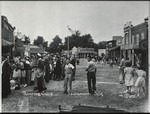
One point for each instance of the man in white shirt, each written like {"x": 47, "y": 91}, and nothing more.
{"x": 68, "y": 76}
{"x": 91, "y": 75}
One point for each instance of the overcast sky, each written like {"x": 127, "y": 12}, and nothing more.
{"x": 101, "y": 19}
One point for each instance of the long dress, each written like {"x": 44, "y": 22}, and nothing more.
{"x": 129, "y": 76}
{"x": 140, "y": 82}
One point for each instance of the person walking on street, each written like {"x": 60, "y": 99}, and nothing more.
{"x": 73, "y": 62}
{"x": 91, "y": 76}
{"x": 68, "y": 77}
{"x": 121, "y": 70}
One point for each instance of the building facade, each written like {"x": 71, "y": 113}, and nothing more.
{"x": 84, "y": 52}
{"x": 7, "y": 36}
{"x": 80, "y": 52}
{"x": 113, "y": 48}
{"x": 133, "y": 36}
{"x": 33, "y": 49}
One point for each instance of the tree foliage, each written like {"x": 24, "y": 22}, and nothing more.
{"x": 38, "y": 41}
{"x": 102, "y": 45}
{"x": 76, "y": 40}
{"x": 56, "y": 45}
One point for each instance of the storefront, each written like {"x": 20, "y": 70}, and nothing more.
{"x": 7, "y": 37}
{"x": 133, "y": 35}
{"x": 84, "y": 52}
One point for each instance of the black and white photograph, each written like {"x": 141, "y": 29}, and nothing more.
{"x": 75, "y": 56}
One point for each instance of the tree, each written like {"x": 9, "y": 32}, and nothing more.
{"x": 38, "y": 41}
{"x": 76, "y": 40}
{"x": 56, "y": 45}
{"x": 102, "y": 45}
{"x": 26, "y": 40}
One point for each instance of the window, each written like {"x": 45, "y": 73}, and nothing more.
{"x": 137, "y": 39}
{"x": 132, "y": 39}
{"x": 127, "y": 39}
{"x": 124, "y": 40}
{"x": 142, "y": 35}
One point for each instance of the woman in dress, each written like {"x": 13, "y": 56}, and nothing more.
{"x": 129, "y": 76}
{"x": 140, "y": 82}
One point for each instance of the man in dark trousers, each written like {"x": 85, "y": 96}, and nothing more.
{"x": 73, "y": 62}
{"x": 6, "y": 70}
{"x": 91, "y": 75}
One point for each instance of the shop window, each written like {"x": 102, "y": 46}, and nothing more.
{"x": 127, "y": 39}
{"x": 132, "y": 39}
{"x": 142, "y": 35}
{"x": 137, "y": 39}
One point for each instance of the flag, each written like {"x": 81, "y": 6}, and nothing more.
{"x": 70, "y": 29}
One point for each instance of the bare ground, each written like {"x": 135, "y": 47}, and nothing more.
{"x": 109, "y": 92}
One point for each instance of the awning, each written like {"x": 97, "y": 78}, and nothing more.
{"x": 6, "y": 43}
{"x": 114, "y": 48}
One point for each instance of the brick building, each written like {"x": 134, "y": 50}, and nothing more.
{"x": 133, "y": 37}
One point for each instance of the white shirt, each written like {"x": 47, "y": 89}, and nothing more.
{"x": 68, "y": 68}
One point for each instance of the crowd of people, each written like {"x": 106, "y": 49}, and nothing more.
{"x": 39, "y": 69}
{"x": 35, "y": 70}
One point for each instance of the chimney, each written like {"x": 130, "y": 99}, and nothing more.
{"x": 146, "y": 19}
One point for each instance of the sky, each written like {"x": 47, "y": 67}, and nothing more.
{"x": 101, "y": 19}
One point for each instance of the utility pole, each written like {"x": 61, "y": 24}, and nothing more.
{"x": 68, "y": 38}
{"x": 68, "y": 47}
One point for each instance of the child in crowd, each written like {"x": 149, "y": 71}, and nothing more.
{"x": 17, "y": 78}
{"x": 140, "y": 82}
{"x": 129, "y": 76}
{"x": 68, "y": 76}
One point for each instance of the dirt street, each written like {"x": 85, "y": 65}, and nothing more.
{"x": 109, "y": 92}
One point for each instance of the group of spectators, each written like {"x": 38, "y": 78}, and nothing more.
{"x": 132, "y": 76}
{"x": 35, "y": 70}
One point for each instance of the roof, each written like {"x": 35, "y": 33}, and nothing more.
{"x": 109, "y": 41}
{"x": 36, "y": 49}
{"x": 6, "y": 43}
{"x": 113, "y": 48}
{"x": 86, "y": 52}
{"x": 74, "y": 48}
